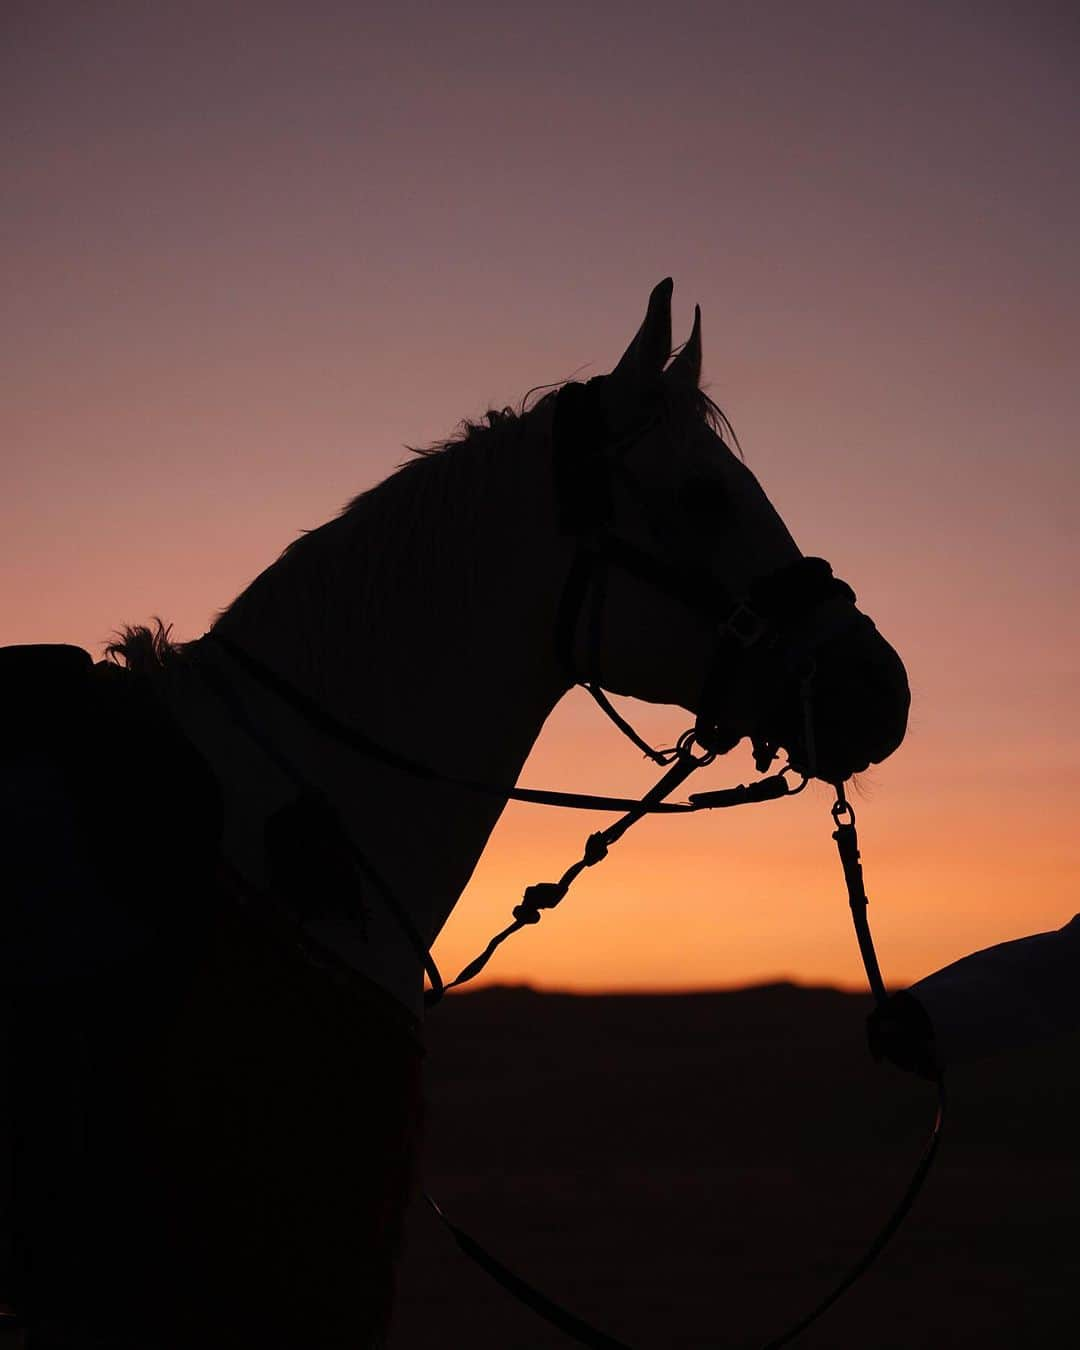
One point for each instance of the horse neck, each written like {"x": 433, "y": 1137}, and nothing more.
{"x": 442, "y": 649}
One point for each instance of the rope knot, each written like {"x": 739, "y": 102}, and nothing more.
{"x": 542, "y": 895}
{"x": 596, "y": 849}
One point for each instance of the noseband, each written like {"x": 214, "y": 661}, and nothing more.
{"x": 764, "y": 657}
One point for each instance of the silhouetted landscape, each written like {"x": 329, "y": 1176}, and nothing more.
{"x": 698, "y": 1170}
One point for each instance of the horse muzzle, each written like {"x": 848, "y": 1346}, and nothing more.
{"x": 850, "y": 711}
{"x": 798, "y": 667}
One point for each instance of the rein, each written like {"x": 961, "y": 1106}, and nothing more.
{"x": 680, "y": 764}
{"x": 546, "y": 895}
{"x": 584, "y": 1333}
{"x": 765, "y": 646}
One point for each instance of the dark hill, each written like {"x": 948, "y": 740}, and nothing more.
{"x": 695, "y": 1170}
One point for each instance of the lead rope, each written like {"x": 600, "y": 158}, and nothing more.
{"x": 847, "y": 844}
{"x": 547, "y": 895}
{"x": 576, "y": 1328}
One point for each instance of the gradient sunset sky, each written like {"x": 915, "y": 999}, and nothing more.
{"x": 251, "y": 250}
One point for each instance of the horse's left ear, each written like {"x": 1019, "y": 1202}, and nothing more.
{"x": 685, "y": 370}
{"x": 644, "y": 359}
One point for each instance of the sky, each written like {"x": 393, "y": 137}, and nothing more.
{"x": 250, "y": 251}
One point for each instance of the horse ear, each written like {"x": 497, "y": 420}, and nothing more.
{"x": 645, "y": 357}
{"x": 685, "y": 370}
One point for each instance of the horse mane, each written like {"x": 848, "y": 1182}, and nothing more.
{"x": 694, "y": 403}
{"x": 428, "y": 483}
{"x": 142, "y": 648}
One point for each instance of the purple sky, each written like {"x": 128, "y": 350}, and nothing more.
{"x": 249, "y": 250}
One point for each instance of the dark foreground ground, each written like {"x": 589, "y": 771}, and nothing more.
{"x": 695, "y": 1171}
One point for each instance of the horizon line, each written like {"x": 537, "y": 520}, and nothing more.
{"x": 655, "y": 991}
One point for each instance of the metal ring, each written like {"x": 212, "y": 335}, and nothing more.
{"x": 842, "y": 807}
{"x": 684, "y": 747}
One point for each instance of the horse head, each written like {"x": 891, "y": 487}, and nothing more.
{"x": 689, "y": 589}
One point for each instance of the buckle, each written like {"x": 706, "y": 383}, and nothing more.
{"x": 745, "y": 624}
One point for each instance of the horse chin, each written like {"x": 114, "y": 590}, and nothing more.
{"x": 840, "y": 751}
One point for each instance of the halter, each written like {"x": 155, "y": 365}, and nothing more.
{"x": 765, "y": 647}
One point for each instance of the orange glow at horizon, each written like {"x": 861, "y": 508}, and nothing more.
{"x": 755, "y": 894}
{"x": 250, "y": 255}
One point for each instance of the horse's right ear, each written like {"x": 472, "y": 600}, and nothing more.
{"x": 685, "y": 370}
{"x": 647, "y": 355}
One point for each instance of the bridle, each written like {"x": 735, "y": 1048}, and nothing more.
{"x": 766, "y": 643}
{"x": 765, "y": 640}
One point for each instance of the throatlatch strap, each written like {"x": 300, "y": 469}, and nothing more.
{"x": 661, "y": 757}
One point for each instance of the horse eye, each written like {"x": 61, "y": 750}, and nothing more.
{"x": 704, "y": 500}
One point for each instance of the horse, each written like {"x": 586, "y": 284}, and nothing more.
{"x": 271, "y": 1110}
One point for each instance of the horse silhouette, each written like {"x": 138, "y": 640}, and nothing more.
{"x": 215, "y": 1026}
